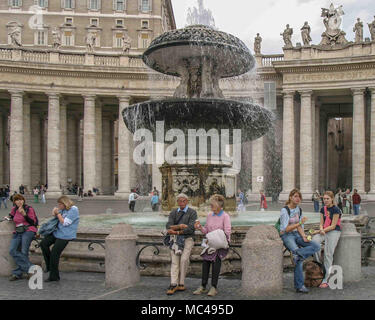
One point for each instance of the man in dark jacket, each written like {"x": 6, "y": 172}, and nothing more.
{"x": 181, "y": 223}
{"x": 356, "y": 198}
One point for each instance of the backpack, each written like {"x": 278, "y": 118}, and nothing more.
{"x": 277, "y": 224}
{"x": 314, "y": 274}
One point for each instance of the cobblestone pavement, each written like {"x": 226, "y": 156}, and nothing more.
{"x": 99, "y": 206}
{"x": 84, "y": 286}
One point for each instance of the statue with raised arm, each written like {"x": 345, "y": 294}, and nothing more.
{"x": 56, "y": 38}
{"x": 332, "y": 21}
{"x": 305, "y": 33}
{"x": 358, "y": 29}
{"x": 257, "y": 44}
{"x": 15, "y": 36}
{"x": 126, "y": 43}
{"x": 371, "y": 27}
{"x": 90, "y": 41}
{"x": 287, "y": 36}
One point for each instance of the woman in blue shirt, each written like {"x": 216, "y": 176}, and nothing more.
{"x": 293, "y": 235}
{"x": 68, "y": 216}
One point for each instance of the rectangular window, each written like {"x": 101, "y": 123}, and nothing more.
{"x": 118, "y": 40}
{"x": 41, "y": 38}
{"x": 68, "y": 38}
{"x": 119, "y": 23}
{"x": 145, "y": 5}
{"x": 15, "y": 3}
{"x": 68, "y": 4}
{"x": 69, "y": 21}
{"x": 144, "y": 40}
{"x": 94, "y": 22}
{"x": 144, "y": 24}
{"x": 43, "y": 3}
{"x": 94, "y": 4}
{"x": 119, "y": 5}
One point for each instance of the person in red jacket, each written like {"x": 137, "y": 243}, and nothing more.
{"x": 263, "y": 201}
{"x": 356, "y": 198}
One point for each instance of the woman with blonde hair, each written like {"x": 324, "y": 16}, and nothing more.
{"x": 216, "y": 220}
{"x": 68, "y": 216}
{"x": 329, "y": 232}
{"x": 293, "y": 235}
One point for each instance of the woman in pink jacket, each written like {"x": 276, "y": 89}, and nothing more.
{"x": 217, "y": 219}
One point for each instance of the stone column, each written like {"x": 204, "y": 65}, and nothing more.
{"x": 2, "y": 140}
{"x": 89, "y": 144}
{"x": 262, "y": 262}
{"x": 16, "y": 140}
{"x": 121, "y": 270}
{"x": 63, "y": 145}
{"x": 323, "y": 152}
{"x": 6, "y": 163}
{"x": 79, "y": 125}
{"x": 53, "y": 146}
{"x": 99, "y": 143}
{"x": 44, "y": 141}
{"x": 125, "y": 153}
{"x": 107, "y": 157}
{"x": 306, "y": 146}
{"x": 288, "y": 146}
{"x": 371, "y": 194}
{"x": 359, "y": 149}
{"x": 36, "y": 151}
{"x": 72, "y": 138}
{"x": 317, "y": 145}
{"x": 27, "y": 144}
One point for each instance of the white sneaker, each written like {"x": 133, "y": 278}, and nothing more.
{"x": 200, "y": 290}
{"x": 213, "y": 292}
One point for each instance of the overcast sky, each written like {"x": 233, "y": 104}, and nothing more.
{"x": 244, "y": 18}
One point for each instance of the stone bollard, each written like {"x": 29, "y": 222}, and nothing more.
{"x": 120, "y": 257}
{"x": 348, "y": 252}
{"x": 6, "y": 261}
{"x": 262, "y": 262}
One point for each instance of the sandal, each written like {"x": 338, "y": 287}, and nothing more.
{"x": 324, "y": 285}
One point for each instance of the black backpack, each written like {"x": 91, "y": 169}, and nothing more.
{"x": 26, "y": 208}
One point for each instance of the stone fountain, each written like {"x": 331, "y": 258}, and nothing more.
{"x": 200, "y": 56}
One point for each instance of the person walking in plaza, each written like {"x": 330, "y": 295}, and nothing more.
{"x": 180, "y": 226}
{"x": 68, "y": 215}
{"x": 347, "y": 201}
{"x": 293, "y": 236}
{"x": 3, "y": 198}
{"x": 338, "y": 199}
{"x": 155, "y": 201}
{"x": 216, "y": 220}
{"x": 36, "y": 195}
{"x": 133, "y": 196}
{"x": 329, "y": 232}
{"x": 356, "y": 199}
{"x": 263, "y": 201}
{"x": 316, "y": 198}
{"x": 26, "y": 224}
{"x": 80, "y": 194}
{"x": 241, "y": 201}
{"x": 43, "y": 194}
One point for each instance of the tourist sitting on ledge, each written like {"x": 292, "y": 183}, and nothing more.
{"x": 181, "y": 222}
{"x": 293, "y": 235}
{"x": 217, "y": 220}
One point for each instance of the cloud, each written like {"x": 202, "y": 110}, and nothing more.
{"x": 244, "y": 18}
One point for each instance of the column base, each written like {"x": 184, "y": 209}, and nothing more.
{"x": 306, "y": 196}
{"x": 122, "y": 194}
{"x": 253, "y": 197}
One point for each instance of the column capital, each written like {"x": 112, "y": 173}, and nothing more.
{"x": 16, "y": 92}
{"x": 358, "y": 91}
{"x": 288, "y": 93}
{"x": 305, "y": 93}
{"x": 124, "y": 98}
{"x": 53, "y": 95}
{"x": 89, "y": 97}
{"x": 372, "y": 90}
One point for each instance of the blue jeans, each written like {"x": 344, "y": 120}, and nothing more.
{"x": 294, "y": 242}
{"x": 356, "y": 209}
{"x": 3, "y": 200}
{"x": 19, "y": 250}
{"x": 316, "y": 206}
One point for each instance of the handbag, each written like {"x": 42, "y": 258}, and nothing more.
{"x": 21, "y": 229}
